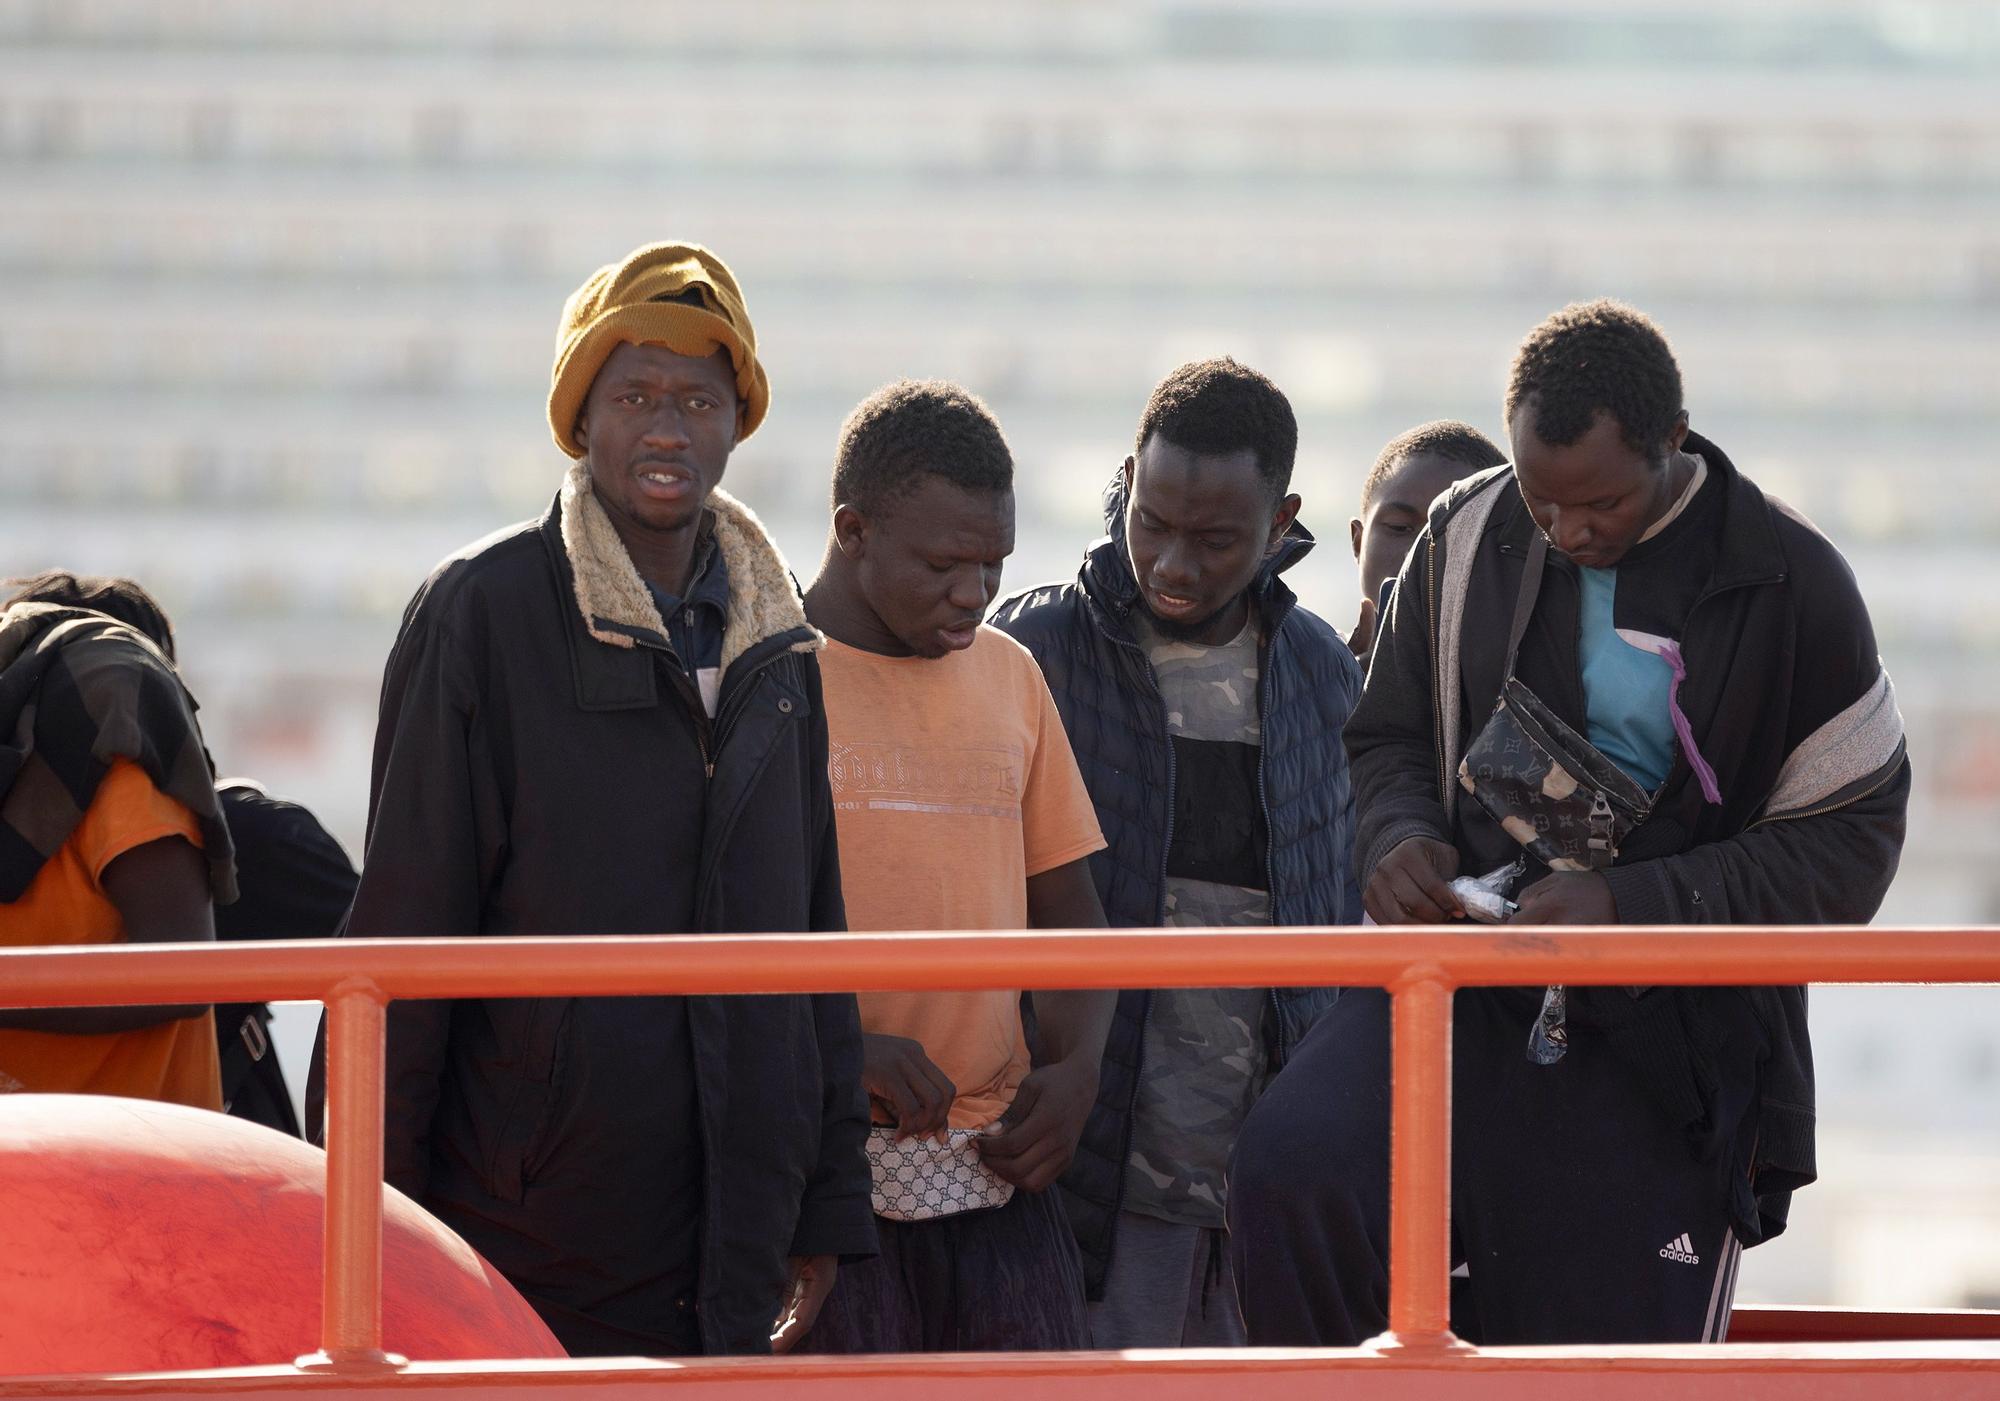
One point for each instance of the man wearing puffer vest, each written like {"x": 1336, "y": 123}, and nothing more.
{"x": 1205, "y": 708}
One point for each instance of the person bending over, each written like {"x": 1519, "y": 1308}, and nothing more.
{"x": 1621, "y": 665}
{"x": 959, "y": 807}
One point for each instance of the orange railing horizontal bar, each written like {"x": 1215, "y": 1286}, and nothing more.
{"x": 780, "y": 963}
{"x": 1891, "y": 1372}
{"x": 1419, "y": 966}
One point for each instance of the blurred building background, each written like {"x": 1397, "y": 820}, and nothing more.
{"x": 280, "y": 284}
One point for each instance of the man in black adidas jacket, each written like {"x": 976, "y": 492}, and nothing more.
{"x": 1605, "y": 1196}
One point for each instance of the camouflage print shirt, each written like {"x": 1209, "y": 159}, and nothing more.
{"x": 1203, "y": 1047}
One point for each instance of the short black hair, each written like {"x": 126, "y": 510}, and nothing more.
{"x": 1218, "y": 406}
{"x": 918, "y": 428}
{"x": 118, "y": 598}
{"x": 1598, "y": 356}
{"x": 1446, "y": 438}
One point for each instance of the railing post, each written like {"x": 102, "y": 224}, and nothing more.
{"x": 351, "y": 1284}
{"x": 1420, "y": 1166}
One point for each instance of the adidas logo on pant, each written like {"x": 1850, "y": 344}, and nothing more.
{"x": 1681, "y": 1249}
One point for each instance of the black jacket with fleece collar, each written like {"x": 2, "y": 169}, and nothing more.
{"x": 542, "y": 767}
{"x": 1104, "y": 688}
{"x": 1788, "y": 702}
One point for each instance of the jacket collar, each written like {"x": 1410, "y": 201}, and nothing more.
{"x": 1106, "y": 577}
{"x": 617, "y": 608}
{"x": 1748, "y": 553}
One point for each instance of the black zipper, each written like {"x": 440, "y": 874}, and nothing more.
{"x": 1125, "y": 1138}
{"x": 1159, "y": 916}
{"x": 708, "y": 732}
{"x": 726, "y": 712}
{"x": 1269, "y": 645}
{"x": 1437, "y": 675}
{"x": 1825, "y": 808}
{"x": 730, "y": 706}
{"x": 691, "y": 695}
{"x": 1153, "y": 680}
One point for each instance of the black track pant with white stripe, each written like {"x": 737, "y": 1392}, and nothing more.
{"x": 1579, "y": 1213}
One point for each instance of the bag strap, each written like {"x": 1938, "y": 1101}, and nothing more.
{"x": 1524, "y": 605}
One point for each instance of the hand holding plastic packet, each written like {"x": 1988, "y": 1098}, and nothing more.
{"x": 1485, "y": 899}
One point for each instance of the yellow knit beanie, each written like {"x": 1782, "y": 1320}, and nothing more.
{"x": 639, "y": 300}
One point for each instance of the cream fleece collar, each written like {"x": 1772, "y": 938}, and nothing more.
{"x": 615, "y": 602}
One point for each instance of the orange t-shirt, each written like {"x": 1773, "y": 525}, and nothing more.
{"x": 953, "y": 782}
{"x": 66, "y": 904}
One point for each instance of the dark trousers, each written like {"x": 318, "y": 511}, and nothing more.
{"x": 1580, "y": 1212}
{"x": 1007, "y": 1279}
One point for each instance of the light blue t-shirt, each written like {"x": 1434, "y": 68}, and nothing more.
{"x": 1627, "y": 690}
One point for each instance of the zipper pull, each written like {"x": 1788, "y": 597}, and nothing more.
{"x": 1603, "y": 850}
{"x": 711, "y": 770}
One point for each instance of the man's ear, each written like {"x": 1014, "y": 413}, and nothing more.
{"x": 1127, "y": 471}
{"x": 1354, "y": 536}
{"x": 1288, "y": 511}
{"x": 1678, "y": 434}
{"x": 580, "y": 432}
{"x": 850, "y": 532}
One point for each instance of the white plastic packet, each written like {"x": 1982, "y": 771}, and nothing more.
{"x": 1485, "y": 898}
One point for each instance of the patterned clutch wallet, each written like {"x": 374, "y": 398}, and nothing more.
{"x": 918, "y": 1179}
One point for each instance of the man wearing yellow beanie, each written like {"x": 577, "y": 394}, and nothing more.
{"x": 608, "y": 721}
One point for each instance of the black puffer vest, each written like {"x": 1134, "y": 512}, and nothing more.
{"x": 1109, "y": 700}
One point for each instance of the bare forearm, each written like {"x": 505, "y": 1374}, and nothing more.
{"x": 160, "y": 891}
{"x": 1074, "y": 1024}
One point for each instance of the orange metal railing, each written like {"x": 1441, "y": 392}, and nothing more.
{"x": 1420, "y": 967}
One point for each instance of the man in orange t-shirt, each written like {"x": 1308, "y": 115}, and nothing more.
{"x": 958, "y": 806}
{"x": 133, "y": 868}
